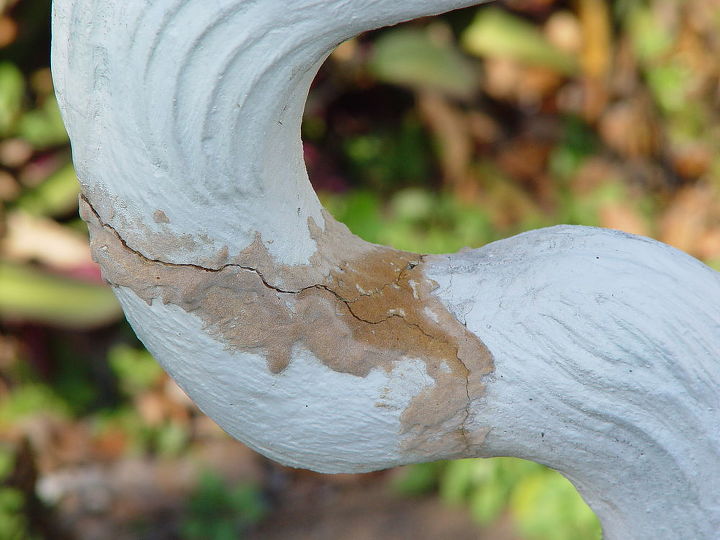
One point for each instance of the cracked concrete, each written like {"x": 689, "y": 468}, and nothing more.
{"x": 358, "y": 307}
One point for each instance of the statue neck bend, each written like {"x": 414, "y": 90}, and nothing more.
{"x": 190, "y": 117}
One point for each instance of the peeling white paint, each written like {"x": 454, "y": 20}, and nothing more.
{"x": 413, "y": 286}
{"x": 306, "y": 416}
{"x": 195, "y": 110}
{"x": 621, "y": 395}
{"x": 431, "y": 314}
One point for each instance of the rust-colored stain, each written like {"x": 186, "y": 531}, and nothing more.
{"x": 356, "y": 307}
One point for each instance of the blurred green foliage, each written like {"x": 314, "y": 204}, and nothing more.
{"x": 13, "y": 522}
{"x": 217, "y": 511}
{"x": 390, "y": 157}
{"x": 410, "y": 56}
{"x": 28, "y": 400}
{"x": 543, "y": 504}
{"x": 497, "y": 33}
{"x": 135, "y": 369}
{"x": 413, "y": 219}
{"x": 43, "y": 127}
{"x": 27, "y": 293}
{"x": 55, "y": 196}
{"x": 12, "y": 89}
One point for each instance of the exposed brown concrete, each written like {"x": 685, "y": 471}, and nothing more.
{"x": 356, "y": 307}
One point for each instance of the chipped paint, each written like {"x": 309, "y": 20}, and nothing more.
{"x": 160, "y": 217}
{"x": 358, "y": 307}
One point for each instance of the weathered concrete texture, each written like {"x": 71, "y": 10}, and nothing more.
{"x": 371, "y": 309}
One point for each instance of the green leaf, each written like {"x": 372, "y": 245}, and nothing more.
{"x": 650, "y": 38}
{"x": 546, "y": 507}
{"x": 136, "y": 369}
{"x": 171, "y": 439}
{"x": 411, "y": 57}
{"x": 12, "y": 89}
{"x": 13, "y": 520}
{"x": 412, "y": 204}
{"x": 28, "y": 400}
{"x": 360, "y": 211}
{"x": 486, "y": 504}
{"x": 497, "y": 33}
{"x": 31, "y": 295}
{"x": 457, "y": 481}
{"x": 43, "y": 127}
{"x": 391, "y": 157}
{"x": 56, "y": 196}
{"x": 418, "y": 479}
{"x": 7, "y": 462}
{"x": 218, "y": 511}
{"x": 670, "y": 84}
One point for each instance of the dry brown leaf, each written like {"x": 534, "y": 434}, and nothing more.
{"x": 593, "y": 173}
{"x": 709, "y": 244}
{"x": 15, "y": 152}
{"x": 563, "y": 30}
{"x": 507, "y": 204}
{"x": 151, "y": 407}
{"x": 629, "y": 128}
{"x": 511, "y": 81}
{"x": 685, "y": 221}
{"x": 8, "y": 31}
{"x": 595, "y": 58}
{"x": 622, "y": 217}
{"x": 525, "y": 158}
{"x": 111, "y": 444}
{"x": 483, "y": 127}
{"x": 692, "y": 161}
{"x": 9, "y": 188}
{"x": 452, "y": 130}
{"x": 31, "y": 238}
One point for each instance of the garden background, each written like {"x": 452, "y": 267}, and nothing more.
{"x": 432, "y": 136}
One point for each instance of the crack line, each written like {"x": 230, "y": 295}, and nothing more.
{"x": 348, "y": 303}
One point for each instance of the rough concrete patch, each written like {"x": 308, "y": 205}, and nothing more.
{"x": 357, "y": 307}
